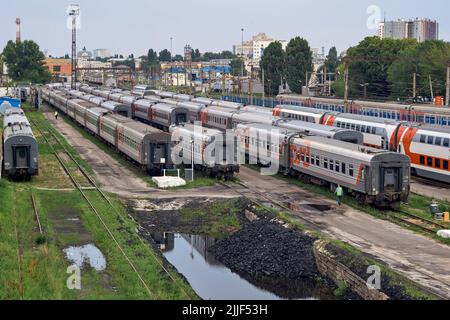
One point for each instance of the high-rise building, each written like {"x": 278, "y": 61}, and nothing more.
{"x": 254, "y": 48}
{"x": 101, "y": 53}
{"x": 421, "y": 30}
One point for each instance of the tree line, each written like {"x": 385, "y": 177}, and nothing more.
{"x": 385, "y": 69}
{"x": 286, "y": 66}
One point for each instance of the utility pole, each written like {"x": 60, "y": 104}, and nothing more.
{"x": 264, "y": 89}
{"x": 414, "y": 85}
{"x": 74, "y": 12}
{"x": 250, "y": 86}
{"x": 329, "y": 85}
{"x": 447, "y": 94}
{"x": 306, "y": 83}
{"x": 346, "y": 83}
{"x": 242, "y": 52}
{"x": 431, "y": 89}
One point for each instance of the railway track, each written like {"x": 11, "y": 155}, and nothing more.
{"x": 232, "y": 186}
{"x": 413, "y": 220}
{"x": 57, "y": 144}
{"x": 36, "y": 213}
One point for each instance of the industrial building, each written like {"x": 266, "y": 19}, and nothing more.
{"x": 60, "y": 69}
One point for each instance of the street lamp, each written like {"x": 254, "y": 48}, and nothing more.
{"x": 242, "y": 52}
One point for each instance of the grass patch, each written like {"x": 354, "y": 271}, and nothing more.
{"x": 30, "y": 269}
{"x": 217, "y": 219}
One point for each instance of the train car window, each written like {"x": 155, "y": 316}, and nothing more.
{"x": 445, "y": 164}
{"x": 325, "y": 163}
{"x": 422, "y": 160}
{"x": 363, "y": 128}
{"x": 358, "y": 127}
{"x": 423, "y": 139}
{"x": 338, "y": 166}
{"x": 318, "y": 161}
{"x": 446, "y": 143}
{"x": 303, "y": 157}
{"x": 438, "y": 141}
{"x": 430, "y": 140}
{"x": 348, "y": 125}
{"x": 351, "y": 170}
{"x": 374, "y": 130}
{"x": 332, "y": 165}
{"x": 437, "y": 163}
{"x": 344, "y": 168}
{"x": 430, "y": 161}
{"x": 307, "y": 159}
{"x": 353, "y": 126}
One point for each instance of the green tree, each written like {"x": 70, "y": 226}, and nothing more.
{"x": 369, "y": 63}
{"x": 237, "y": 67}
{"x": 26, "y": 63}
{"x": 165, "y": 56}
{"x": 273, "y": 64}
{"x": 152, "y": 57}
{"x": 178, "y": 57}
{"x": 196, "y": 55}
{"x": 332, "y": 60}
{"x": 298, "y": 62}
{"x": 427, "y": 59}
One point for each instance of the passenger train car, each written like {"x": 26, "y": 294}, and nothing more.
{"x": 209, "y": 148}
{"x": 427, "y": 146}
{"x": 424, "y": 114}
{"x": 147, "y": 146}
{"x": 374, "y": 176}
{"x": 20, "y": 148}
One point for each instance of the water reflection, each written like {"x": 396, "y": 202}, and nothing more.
{"x": 212, "y": 280}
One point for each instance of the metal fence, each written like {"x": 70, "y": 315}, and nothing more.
{"x": 268, "y": 102}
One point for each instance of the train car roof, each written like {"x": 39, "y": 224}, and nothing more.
{"x": 257, "y": 109}
{"x": 195, "y": 130}
{"x": 144, "y": 128}
{"x": 221, "y": 111}
{"x": 369, "y": 104}
{"x": 115, "y": 106}
{"x": 272, "y": 131}
{"x": 117, "y": 118}
{"x": 248, "y": 116}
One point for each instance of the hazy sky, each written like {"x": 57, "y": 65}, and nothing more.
{"x": 134, "y": 26}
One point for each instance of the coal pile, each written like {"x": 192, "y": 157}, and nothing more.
{"x": 265, "y": 249}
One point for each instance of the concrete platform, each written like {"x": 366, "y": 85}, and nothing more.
{"x": 169, "y": 182}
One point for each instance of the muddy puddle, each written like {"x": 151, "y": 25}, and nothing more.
{"x": 88, "y": 255}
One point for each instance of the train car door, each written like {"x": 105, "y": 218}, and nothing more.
{"x": 21, "y": 158}
{"x": 390, "y": 180}
{"x": 159, "y": 153}
{"x": 181, "y": 118}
